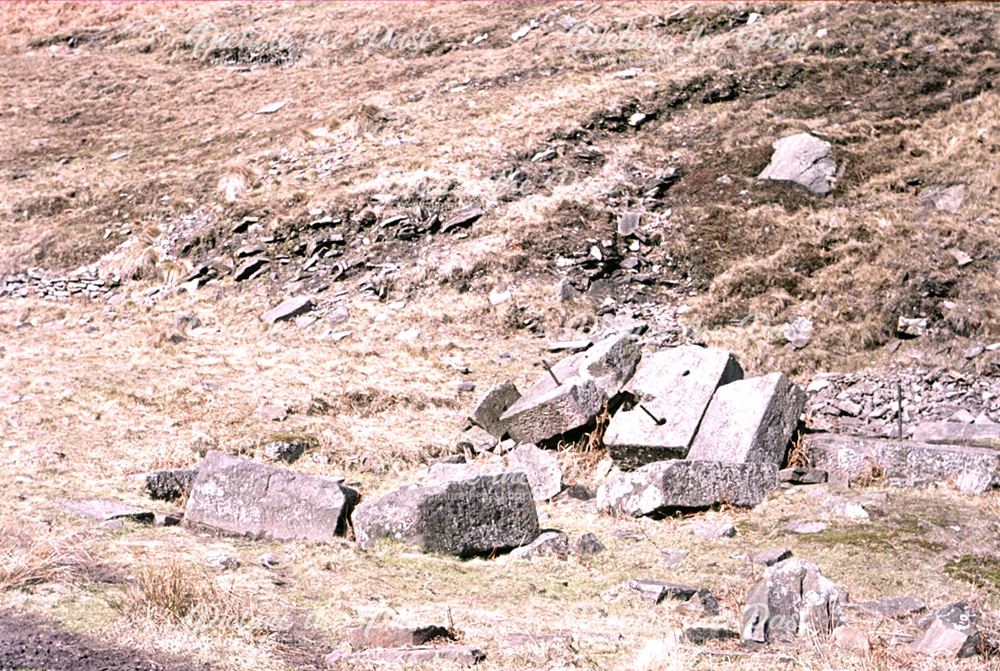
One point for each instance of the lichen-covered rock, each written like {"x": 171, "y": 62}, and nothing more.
{"x": 793, "y": 599}
{"x": 683, "y": 485}
{"x": 247, "y": 498}
{"x": 479, "y": 516}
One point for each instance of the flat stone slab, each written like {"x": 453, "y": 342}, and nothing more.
{"x": 383, "y": 636}
{"x": 893, "y": 606}
{"x": 472, "y": 517}
{"x": 672, "y": 389}
{"x": 955, "y": 433}
{"x": 288, "y": 308}
{"x": 455, "y": 654}
{"x": 246, "y": 498}
{"x": 802, "y": 160}
{"x": 585, "y": 382}
{"x": 801, "y": 475}
{"x": 749, "y": 420}
{"x": 974, "y": 470}
{"x": 655, "y": 591}
{"x": 106, "y": 510}
{"x": 683, "y": 485}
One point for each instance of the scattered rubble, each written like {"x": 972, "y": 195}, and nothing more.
{"x": 242, "y": 497}
{"x": 84, "y": 283}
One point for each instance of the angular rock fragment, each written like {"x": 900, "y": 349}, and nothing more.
{"x": 749, "y": 420}
{"x": 492, "y": 406}
{"x": 974, "y": 470}
{"x": 588, "y": 544}
{"x": 682, "y": 485}
{"x": 802, "y": 475}
{"x": 793, "y": 599}
{"x": 573, "y": 392}
{"x": 672, "y": 389}
{"x": 541, "y": 467}
{"x": 804, "y": 161}
{"x": 474, "y": 517}
{"x": 250, "y": 268}
{"x": 770, "y": 556}
{"x": 291, "y": 307}
{"x": 476, "y": 440}
{"x": 550, "y": 542}
{"x": 951, "y": 631}
{"x": 171, "y": 484}
{"x": 247, "y": 498}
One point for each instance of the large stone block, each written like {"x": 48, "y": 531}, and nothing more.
{"x": 585, "y": 382}
{"x": 493, "y": 405}
{"x": 955, "y": 433}
{"x": 749, "y": 420}
{"x": 683, "y": 485}
{"x": 478, "y": 516}
{"x": 672, "y": 389}
{"x": 793, "y": 599}
{"x": 246, "y": 498}
{"x": 974, "y": 470}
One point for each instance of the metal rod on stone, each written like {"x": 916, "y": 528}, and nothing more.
{"x": 548, "y": 369}
{"x": 659, "y": 420}
{"x": 899, "y": 408}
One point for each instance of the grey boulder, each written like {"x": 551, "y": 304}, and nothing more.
{"x": 472, "y": 517}
{"x": 241, "y": 497}
{"x": 684, "y": 485}
{"x": 951, "y": 631}
{"x": 957, "y": 433}
{"x": 792, "y": 600}
{"x": 171, "y": 484}
{"x": 541, "y": 467}
{"x": 804, "y": 161}
{"x": 751, "y": 420}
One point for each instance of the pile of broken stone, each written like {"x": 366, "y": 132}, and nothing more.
{"x": 687, "y": 431}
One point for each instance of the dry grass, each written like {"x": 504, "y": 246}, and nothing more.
{"x": 90, "y": 393}
{"x": 33, "y": 559}
{"x": 180, "y": 594}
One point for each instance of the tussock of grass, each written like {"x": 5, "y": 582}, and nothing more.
{"x": 180, "y": 594}
{"x": 27, "y": 560}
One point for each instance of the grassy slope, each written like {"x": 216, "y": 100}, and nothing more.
{"x": 92, "y": 393}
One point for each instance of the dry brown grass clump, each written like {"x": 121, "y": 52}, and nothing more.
{"x": 26, "y": 560}
{"x": 178, "y": 594}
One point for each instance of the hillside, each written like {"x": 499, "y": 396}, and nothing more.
{"x": 455, "y": 188}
